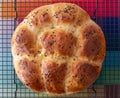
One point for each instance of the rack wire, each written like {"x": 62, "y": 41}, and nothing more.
{"x": 106, "y": 13}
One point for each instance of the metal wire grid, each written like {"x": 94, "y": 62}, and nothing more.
{"x": 11, "y": 87}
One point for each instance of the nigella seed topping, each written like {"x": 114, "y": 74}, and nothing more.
{"x": 37, "y": 80}
{"x": 30, "y": 71}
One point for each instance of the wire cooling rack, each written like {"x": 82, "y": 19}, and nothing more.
{"x": 104, "y": 12}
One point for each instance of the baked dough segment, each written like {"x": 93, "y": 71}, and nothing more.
{"x": 54, "y": 76}
{"x": 81, "y": 75}
{"x": 58, "y": 42}
{"x": 24, "y": 42}
{"x": 29, "y": 72}
{"x": 94, "y": 46}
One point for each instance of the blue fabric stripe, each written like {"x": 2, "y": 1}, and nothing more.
{"x": 111, "y": 31}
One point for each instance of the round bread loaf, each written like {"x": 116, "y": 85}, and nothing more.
{"x": 58, "y": 49}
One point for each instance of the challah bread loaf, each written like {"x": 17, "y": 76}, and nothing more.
{"x": 58, "y": 49}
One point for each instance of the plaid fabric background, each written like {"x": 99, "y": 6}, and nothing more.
{"x": 104, "y": 12}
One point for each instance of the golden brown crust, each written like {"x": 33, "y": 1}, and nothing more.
{"x": 54, "y": 75}
{"x": 65, "y": 12}
{"x": 30, "y": 74}
{"x": 58, "y": 49}
{"x": 58, "y": 41}
{"x": 41, "y": 18}
{"x": 82, "y": 76}
{"x": 25, "y": 42}
{"x": 93, "y": 48}
{"x": 94, "y": 42}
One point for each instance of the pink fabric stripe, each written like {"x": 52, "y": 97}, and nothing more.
{"x": 104, "y": 8}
